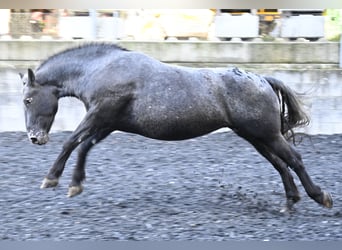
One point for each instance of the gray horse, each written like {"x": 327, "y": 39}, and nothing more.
{"x": 132, "y": 92}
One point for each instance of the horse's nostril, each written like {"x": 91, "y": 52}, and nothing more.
{"x": 34, "y": 139}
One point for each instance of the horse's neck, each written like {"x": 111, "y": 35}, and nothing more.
{"x": 69, "y": 88}
{"x": 67, "y": 83}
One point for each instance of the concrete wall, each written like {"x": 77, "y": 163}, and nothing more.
{"x": 241, "y": 52}
{"x": 310, "y": 68}
{"x": 192, "y": 52}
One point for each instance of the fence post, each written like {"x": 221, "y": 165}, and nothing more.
{"x": 92, "y": 14}
{"x": 341, "y": 51}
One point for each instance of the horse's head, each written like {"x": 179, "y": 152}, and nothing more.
{"x": 40, "y": 106}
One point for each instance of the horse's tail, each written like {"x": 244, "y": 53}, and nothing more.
{"x": 292, "y": 114}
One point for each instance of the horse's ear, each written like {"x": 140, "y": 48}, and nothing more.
{"x": 21, "y": 75}
{"x": 31, "y": 77}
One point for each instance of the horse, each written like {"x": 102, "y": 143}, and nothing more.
{"x": 129, "y": 91}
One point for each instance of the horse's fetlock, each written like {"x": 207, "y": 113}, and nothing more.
{"x": 293, "y": 198}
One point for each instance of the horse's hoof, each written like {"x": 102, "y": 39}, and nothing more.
{"x": 327, "y": 200}
{"x": 284, "y": 210}
{"x": 287, "y": 210}
{"x": 74, "y": 190}
{"x": 48, "y": 183}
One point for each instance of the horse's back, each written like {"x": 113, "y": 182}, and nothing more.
{"x": 171, "y": 102}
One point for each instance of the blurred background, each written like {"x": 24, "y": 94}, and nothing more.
{"x": 147, "y": 24}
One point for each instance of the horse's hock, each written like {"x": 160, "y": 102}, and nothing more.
{"x": 308, "y": 67}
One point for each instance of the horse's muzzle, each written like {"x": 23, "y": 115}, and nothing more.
{"x": 38, "y": 138}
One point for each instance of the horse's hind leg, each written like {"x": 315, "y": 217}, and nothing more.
{"x": 280, "y": 147}
{"x": 75, "y": 187}
{"x": 292, "y": 194}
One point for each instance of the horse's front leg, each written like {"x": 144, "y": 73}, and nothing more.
{"x": 84, "y": 130}
{"x": 78, "y": 176}
{"x": 55, "y": 172}
{"x": 51, "y": 179}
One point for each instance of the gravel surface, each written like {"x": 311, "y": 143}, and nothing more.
{"x": 215, "y": 187}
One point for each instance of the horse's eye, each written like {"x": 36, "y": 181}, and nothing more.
{"x": 28, "y": 100}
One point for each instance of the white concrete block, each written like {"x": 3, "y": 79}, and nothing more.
{"x": 4, "y": 21}
{"x": 110, "y": 28}
{"x": 243, "y": 26}
{"x": 308, "y": 26}
{"x": 75, "y": 27}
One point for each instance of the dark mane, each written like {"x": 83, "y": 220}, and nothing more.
{"x": 85, "y": 49}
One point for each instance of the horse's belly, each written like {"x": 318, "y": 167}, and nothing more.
{"x": 176, "y": 127}
{"x": 178, "y": 132}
